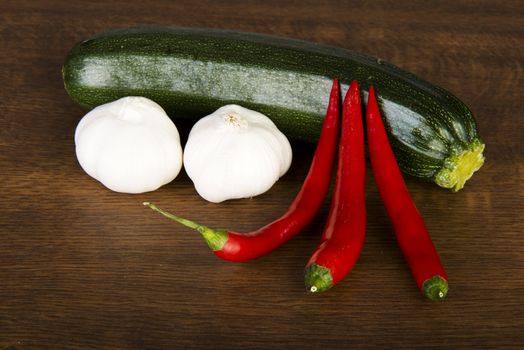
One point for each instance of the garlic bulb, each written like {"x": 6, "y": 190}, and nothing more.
{"x": 235, "y": 153}
{"x": 129, "y": 145}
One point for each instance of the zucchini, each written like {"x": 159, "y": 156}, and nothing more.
{"x": 191, "y": 72}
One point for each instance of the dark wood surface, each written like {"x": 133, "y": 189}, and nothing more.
{"x": 83, "y": 267}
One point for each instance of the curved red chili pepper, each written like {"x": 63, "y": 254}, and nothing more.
{"x": 409, "y": 227}
{"x": 235, "y": 246}
{"x": 343, "y": 237}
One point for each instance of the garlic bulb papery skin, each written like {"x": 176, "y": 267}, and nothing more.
{"x": 235, "y": 153}
{"x": 130, "y": 145}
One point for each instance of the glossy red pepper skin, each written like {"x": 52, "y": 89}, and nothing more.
{"x": 343, "y": 237}
{"x": 234, "y": 246}
{"x": 410, "y": 230}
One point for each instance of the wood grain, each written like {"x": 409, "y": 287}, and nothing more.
{"x": 82, "y": 267}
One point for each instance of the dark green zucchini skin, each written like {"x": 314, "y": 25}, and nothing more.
{"x": 193, "y": 71}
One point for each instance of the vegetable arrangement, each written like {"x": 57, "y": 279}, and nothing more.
{"x": 131, "y": 146}
{"x": 192, "y": 72}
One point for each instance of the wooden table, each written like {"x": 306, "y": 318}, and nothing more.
{"x": 84, "y": 267}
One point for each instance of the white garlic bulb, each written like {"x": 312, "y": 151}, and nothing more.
{"x": 129, "y": 145}
{"x": 235, "y": 153}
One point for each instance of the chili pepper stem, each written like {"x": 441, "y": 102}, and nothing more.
{"x": 318, "y": 278}
{"x": 435, "y": 288}
{"x": 215, "y": 239}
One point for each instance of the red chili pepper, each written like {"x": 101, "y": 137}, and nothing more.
{"x": 409, "y": 227}
{"x": 235, "y": 246}
{"x": 343, "y": 237}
